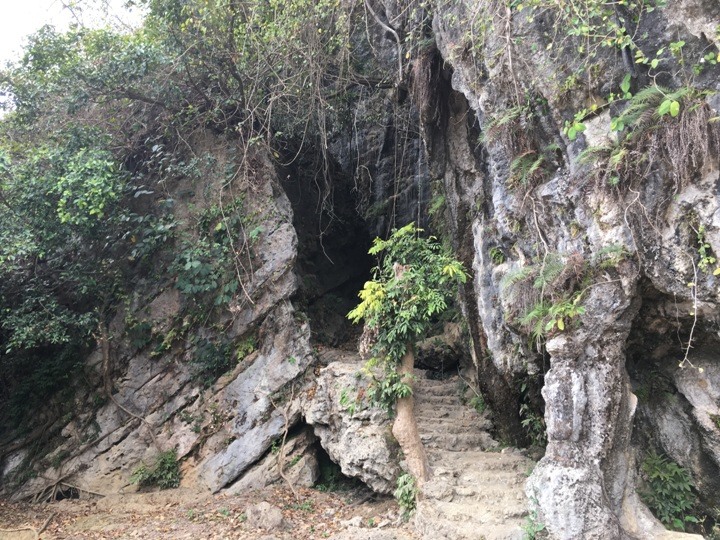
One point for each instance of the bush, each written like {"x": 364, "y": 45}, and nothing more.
{"x": 406, "y": 493}
{"x": 668, "y": 491}
{"x": 164, "y": 473}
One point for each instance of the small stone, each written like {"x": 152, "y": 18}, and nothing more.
{"x": 355, "y": 521}
{"x": 264, "y": 515}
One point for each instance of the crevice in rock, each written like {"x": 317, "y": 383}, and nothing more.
{"x": 331, "y": 476}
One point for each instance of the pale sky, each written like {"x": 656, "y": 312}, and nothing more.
{"x": 18, "y": 18}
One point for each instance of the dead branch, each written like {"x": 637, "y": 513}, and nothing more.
{"x": 281, "y": 454}
{"x": 36, "y": 532}
{"x": 394, "y": 34}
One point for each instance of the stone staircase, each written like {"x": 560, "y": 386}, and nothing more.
{"x": 477, "y": 489}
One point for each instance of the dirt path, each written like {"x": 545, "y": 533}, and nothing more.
{"x": 181, "y": 514}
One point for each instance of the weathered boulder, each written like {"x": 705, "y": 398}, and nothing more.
{"x": 265, "y": 398}
{"x": 355, "y": 436}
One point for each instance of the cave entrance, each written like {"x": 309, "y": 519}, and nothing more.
{"x": 331, "y": 476}
{"x": 675, "y": 410}
{"x": 333, "y": 262}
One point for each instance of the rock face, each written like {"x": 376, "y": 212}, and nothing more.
{"x": 226, "y": 427}
{"x": 300, "y": 465}
{"x": 577, "y": 180}
{"x": 533, "y": 206}
{"x": 357, "y": 438}
{"x": 265, "y": 398}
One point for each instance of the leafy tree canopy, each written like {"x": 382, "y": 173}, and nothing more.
{"x": 95, "y": 117}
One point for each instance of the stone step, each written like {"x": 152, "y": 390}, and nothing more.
{"x": 491, "y": 492}
{"x": 473, "y": 493}
{"x": 439, "y": 410}
{"x": 430, "y": 399}
{"x": 495, "y": 511}
{"x": 457, "y": 441}
{"x": 463, "y": 521}
{"x": 450, "y": 390}
{"x": 467, "y": 422}
{"x": 502, "y": 456}
{"x": 474, "y": 475}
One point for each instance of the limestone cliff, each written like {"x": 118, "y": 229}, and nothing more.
{"x": 571, "y": 159}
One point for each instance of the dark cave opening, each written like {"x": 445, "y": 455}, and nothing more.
{"x": 331, "y": 476}
{"x": 65, "y": 492}
{"x": 333, "y": 262}
{"x": 674, "y": 416}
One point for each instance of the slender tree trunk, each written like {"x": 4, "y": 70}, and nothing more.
{"x": 405, "y": 427}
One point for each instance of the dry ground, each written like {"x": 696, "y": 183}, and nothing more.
{"x": 183, "y": 514}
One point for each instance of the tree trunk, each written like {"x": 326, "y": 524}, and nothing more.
{"x": 405, "y": 427}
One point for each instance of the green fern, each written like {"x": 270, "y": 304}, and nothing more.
{"x": 594, "y": 154}
{"x": 517, "y": 275}
{"x": 549, "y": 271}
{"x": 534, "y": 319}
{"x": 523, "y": 168}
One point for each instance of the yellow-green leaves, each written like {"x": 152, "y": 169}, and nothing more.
{"x": 669, "y": 106}
{"x": 455, "y": 271}
{"x": 371, "y": 297}
{"x": 89, "y": 183}
{"x": 572, "y": 129}
{"x": 410, "y": 287}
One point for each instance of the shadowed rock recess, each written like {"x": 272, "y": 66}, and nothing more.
{"x": 569, "y": 155}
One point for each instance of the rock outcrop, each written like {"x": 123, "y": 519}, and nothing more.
{"x": 355, "y": 436}
{"x": 523, "y": 219}
{"x": 158, "y": 403}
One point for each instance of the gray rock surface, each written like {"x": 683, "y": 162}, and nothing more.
{"x": 585, "y": 484}
{"x": 356, "y": 437}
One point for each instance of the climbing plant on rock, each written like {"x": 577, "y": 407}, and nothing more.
{"x": 412, "y": 284}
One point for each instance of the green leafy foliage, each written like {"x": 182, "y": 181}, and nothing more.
{"x": 478, "y": 403}
{"x": 591, "y": 24}
{"x": 411, "y": 286}
{"x": 163, "y": 473}
{"x": 496, "y": 255}
{"x": 576, "y": 126}
{"x": 534, "y": 425}
{"x": 705, "y": 253}
{"x": 140, "y": 333}
{"x": 388, "y": 389}
{"x": 347, "y": 402}
{"x": 668, "y": 491}
{"x": 532, "y": 527}
{"x": 205, "y": 264}
{"x": 246, "y": 347}
{"x": 406, "y": 494}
